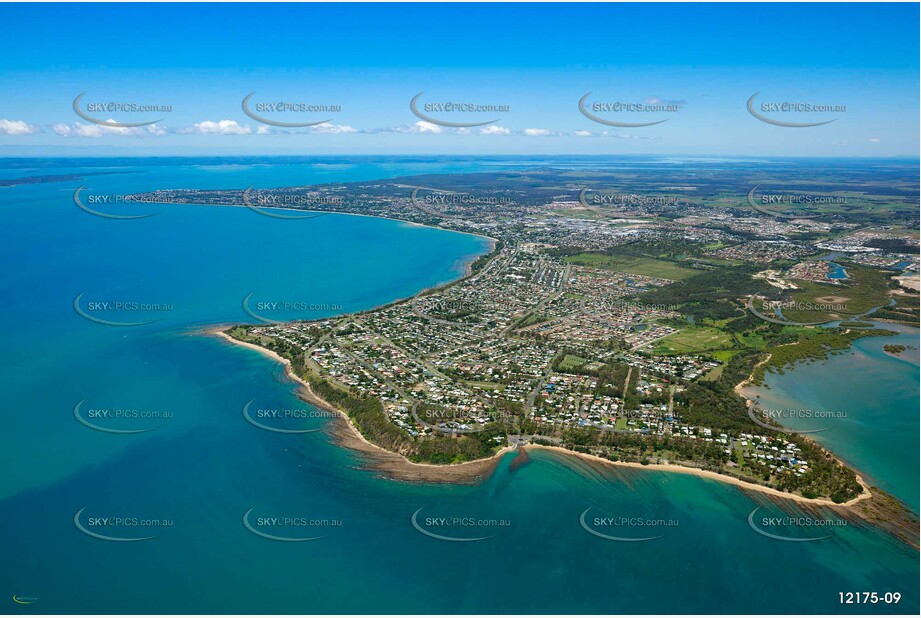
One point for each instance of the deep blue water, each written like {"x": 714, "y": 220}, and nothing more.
{"x": 202, "y": 468}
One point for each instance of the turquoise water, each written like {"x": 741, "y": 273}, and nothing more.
{"x": 877, "y": 398}
{"x": 203, "y": 467}
{"x": 837, "y": 271}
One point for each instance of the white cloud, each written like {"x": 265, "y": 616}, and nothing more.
{"x": 536, "y": 132}
{"x": 221, "y": 127}
{"x": 494, "y": 130}
{"x": 625, "y": 135}
{"x": 660, "y": 101}
{"x": 425, "y": 127}
{"x": 420, "y": 127}
{"x": 324, "y": 127}
{"x": 327, "y": 127}
{"x": 98, "y": 130}
{"x": 875, "y": 140}
{"x": 17, "y": 127}
{"x": 582, "y": 133}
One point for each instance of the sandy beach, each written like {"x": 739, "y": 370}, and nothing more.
{"x": 707, "y": 474}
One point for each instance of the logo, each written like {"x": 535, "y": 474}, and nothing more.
{"x": 285, "y": 522}
{"x": 454, "y": 523}
{"x": 775, "y": 199}
{"x": 751, "y": 415}
{"x": 104, "y": 199}
{"x": 454, "y": 107}
{"x": 112, "y": 414}
{"x": 111, "y": 306}
{"x": 288, "y": 306}
{"x": 618, "y": 107}
{"x": 619, "y": 521}
{"x": 775, "y": 320}
{"x": 112, "y": 106}
{"x": 611, "y": 200}
{"x": 113, "y": 521}
{"x": 275, "y": 414}
{"x": 787, "y": 521}
{"x": 281, "y": 106}
{"x": 790, "y": 107}
{"x": 248, "y": 199}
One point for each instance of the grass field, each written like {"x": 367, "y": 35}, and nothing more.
{"x": 530, "y": 320}
{"x": 570, "y": 361}
{"x": 724, "y": 356}
{"x": 487, "y": 386}
{"x": 693, "y": 340}
{"x": 751, "y": 340}
{"x": 713, "y": 375}
{"x": 648, "y": 267}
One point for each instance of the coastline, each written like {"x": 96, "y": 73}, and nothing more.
{"x": 396, "y": 466}
{"x": 708, "y": 474}
{"x": 345, "y": 433}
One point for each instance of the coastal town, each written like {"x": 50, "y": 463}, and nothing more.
{"x": 580, "y": 329}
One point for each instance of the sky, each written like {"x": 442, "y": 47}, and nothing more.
{"x": 695, "y": 66}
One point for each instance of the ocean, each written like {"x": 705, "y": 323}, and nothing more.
{"x": 197, "y": 479}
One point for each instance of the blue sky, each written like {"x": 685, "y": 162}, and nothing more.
{"x": 704, "y": 60}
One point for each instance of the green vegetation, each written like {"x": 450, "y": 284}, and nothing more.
{"x": 571, "y": 361}
{"x": 632, "y": 265}
{"x": 813, "y": 302}
{"x": 710, "y": 294}
{"x": 530, "y": 320}
{"x": 811, "y": 348}
{"x": 904, "y": 311}
{"x": 368, "y": 415}
{"x": 694, "y": 340}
